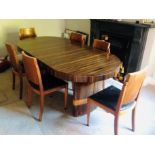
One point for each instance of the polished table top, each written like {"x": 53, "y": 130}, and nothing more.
{"x": 70, "y": 61}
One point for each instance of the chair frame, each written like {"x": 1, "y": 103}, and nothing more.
{"x": 123, "y": 97}
{"x": 98, "y": 44}
{"x": 15, "y": 63}
{"x": 41, "y": 91}
{"x": 25, "y": 33}
{"x": 78, "y": 38}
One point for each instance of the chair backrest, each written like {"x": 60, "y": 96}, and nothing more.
{"x": 27, "y": 33}
{"x": 11, "y": 49}
{"x": 101, "y": 45}
{"x": 131, "y": 87}
{"x": 77, "y": 38}
{"x": 32, "y": 70}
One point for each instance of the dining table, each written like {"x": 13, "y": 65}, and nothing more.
{"x": 85, "y": 67}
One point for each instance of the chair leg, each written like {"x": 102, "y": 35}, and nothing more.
{"x": 65, "y": 97}
{"x": 72, "y": 85}
{"x": 21, "y": 87}
{"x": 133, "y": 119}
{"x": 88, "y": 113}
{"x": 29, "y": 98}
{"x": 73, "y": 88}
{"x": 14, "y": 81}
{"x": 116, "y": 120}
{"x": 41, "y": 106}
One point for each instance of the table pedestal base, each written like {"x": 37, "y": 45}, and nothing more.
{"x": 81, "y": 92}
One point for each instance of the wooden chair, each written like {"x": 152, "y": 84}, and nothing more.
{"x": 41, "y": 84}
{"x": 25, "y": 33}
{"x": 77, "y": 38}
{"x": 116, "y": 101}
{"x": 17, "y": 67}
{"x": 102, "y": 45}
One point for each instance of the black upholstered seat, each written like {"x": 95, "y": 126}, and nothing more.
{"x": 109, "y": 97}
{"x": 49, "y": 82}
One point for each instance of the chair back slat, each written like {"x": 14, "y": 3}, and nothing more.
{"x": 27, "y": 33}
{"x": 13, "y": 56}
{"x": 101, "y": 45}
{"x": 77, "y": 38}
{"x": 132, "y": 87}
{"x": 32, "y": 70}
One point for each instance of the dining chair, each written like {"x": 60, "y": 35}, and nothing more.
{"x": 17, "y": 67}
{"x": 102, "y": 45}
{"x": 25, "y": 33}
{"x": 105, "y": 46}
{"x": 41, "y": 84}
{"x": 116, "y": 101}
{"x": 77, "y": 38}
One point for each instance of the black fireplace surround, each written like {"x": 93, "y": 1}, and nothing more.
{"x": 127, "y": 40}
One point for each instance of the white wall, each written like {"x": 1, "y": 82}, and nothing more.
{"x": 149, "y": 53}
{"x": 44, "y": 27}
{"x": 78, "y": 24}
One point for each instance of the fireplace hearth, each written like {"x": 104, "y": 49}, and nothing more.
{"x": 127, "y": 40}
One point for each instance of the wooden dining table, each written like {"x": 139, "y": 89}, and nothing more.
{"x": 86, "y": 67}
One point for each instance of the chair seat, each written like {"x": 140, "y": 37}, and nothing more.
{"x": 109, "y": 97}
{"x": 49, "y": 82}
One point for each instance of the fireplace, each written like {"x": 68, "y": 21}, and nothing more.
{"x": 127, "y": 40}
